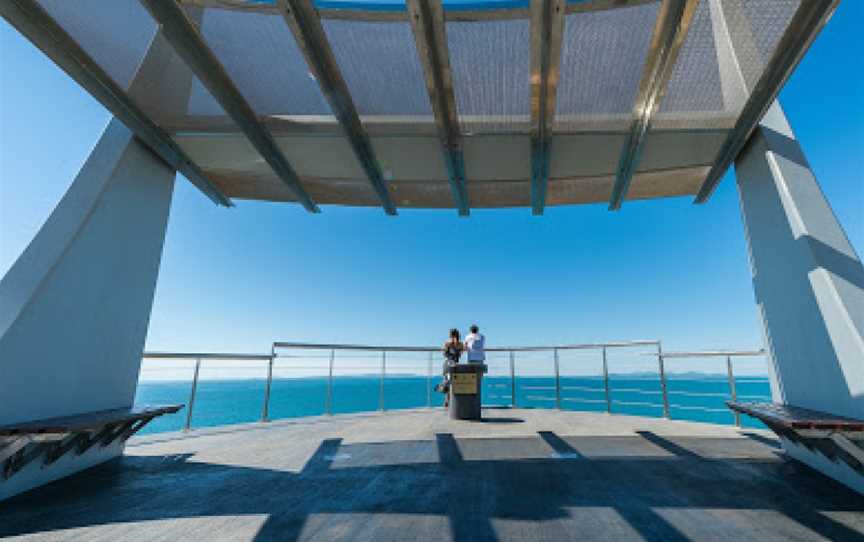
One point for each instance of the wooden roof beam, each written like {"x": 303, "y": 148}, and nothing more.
{"x": 670, "y": 31}
{"x": 547, "y": 28}
{"x": 427, "y": 20}
{"x": 305, "y": 24}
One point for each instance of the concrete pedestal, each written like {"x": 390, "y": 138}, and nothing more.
{"x": 466, "y": 387}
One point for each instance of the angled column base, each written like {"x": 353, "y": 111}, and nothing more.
{"x": 837, "y": 470}
{"x": 74, "y": 308}
{"x": 36, "y": 473}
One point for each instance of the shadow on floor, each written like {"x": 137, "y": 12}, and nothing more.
{"x": 644, "y": 487}
{"x": 767, "y": 441}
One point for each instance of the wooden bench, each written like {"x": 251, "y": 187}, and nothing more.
{"x": 836, "y": 437}
{"x": 52, "y": 438}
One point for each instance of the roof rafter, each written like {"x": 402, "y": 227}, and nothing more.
{"x": 427, "y": 20}
{"x": 32, "y": 21}
{"x": 670, "y": 31}
{"x": 302, "y": 18}
{"x": 808, "y": 20}
{"x": 187, "y": 41}
{"x": 547, "y": 28}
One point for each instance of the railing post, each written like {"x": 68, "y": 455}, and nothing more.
{"x": 663, "y": 381}
{"x": 732, "y": 391}
{"x": 429, "y": 382}
{"x": 188, "y": 426}
{"x": 606, "y": 383}
{"x": 330, "y": 383}
{"x": 383, "y": 373}
{"x": 265, "y": 410}
{"x": 512, "y": 379}
{"x": 557, "y": 381}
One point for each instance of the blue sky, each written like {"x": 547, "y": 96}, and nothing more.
{"x": 235, "y": 280}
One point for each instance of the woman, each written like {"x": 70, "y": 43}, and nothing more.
{"x": 452, "y": 351}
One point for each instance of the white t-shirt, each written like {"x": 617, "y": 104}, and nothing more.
{"x": 475, "y": 342}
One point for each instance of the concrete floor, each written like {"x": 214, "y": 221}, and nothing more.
{"x": 520, "y": 475}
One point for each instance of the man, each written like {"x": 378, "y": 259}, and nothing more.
{"x": 474, "y": 344}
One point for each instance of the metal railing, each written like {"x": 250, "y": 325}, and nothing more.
{"x": 730, "y": 379}
{"x": 197, "y": 357}
{"x": 558, "y": 391}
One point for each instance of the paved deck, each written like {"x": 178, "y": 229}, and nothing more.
{"x": 415, "y": 475}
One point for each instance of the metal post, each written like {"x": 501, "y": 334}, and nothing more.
{"x": 188, "y": 426}
{"x": 383, "y": 373}
{"x": 330, "y": 383}
{"x": 606, "y": 383}
{"x": 663, "y": 382}
{"x": 513, "y": 379}
{"x": 557, "y": 381}
{"x": 732, "y": 391}
{"x": 265, "y": 412}
{"x": 429, "y": 383}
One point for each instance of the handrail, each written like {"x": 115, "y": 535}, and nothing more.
{"x": 709, "y": 354}
{"x": 394, "y": 348}
{"x": 205, "y": 355}
{"x": 510, "y": 361}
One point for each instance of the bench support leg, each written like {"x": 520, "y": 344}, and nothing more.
{"x": 808, "y": 280}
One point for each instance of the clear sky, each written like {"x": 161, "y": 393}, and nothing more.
{"x": 235, "y": 280}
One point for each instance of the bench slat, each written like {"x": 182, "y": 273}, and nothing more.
{"x": 87, "y": 421}
{"x": 792, "y": 417}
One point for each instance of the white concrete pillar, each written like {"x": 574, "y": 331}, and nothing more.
{"x": 808, "y": 282}
{"x": 75, "y": 307}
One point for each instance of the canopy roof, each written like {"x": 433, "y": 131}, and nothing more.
{"x": 469, "y": 104}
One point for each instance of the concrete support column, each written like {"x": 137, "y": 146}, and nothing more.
{"x": 75, "y": 307}
{"x": 808, "y": 281}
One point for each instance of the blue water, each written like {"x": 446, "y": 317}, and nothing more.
{"x": 226, "y": 402}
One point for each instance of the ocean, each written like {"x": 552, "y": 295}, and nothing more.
{"x": 233, "y": 401}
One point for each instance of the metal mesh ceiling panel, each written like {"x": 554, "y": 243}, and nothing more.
{"x": 380, "y": 65}
{"x": 768, "y": 20}
{"x": 490, "y": 65}
{"x": 115, "y": 33}
{"x": 262, "y": 57}
{"x": 602, "y": 56}
{"x": 755, "y": 27}
{"x": 695, "y": 82}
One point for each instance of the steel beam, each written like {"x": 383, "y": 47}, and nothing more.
{"x": 305, "y": 24}
{"x": 808, "y": 20}
{"x": 34, "y": 23}
{"x": 187, "y": 41}
{"x": 670, "y": 31}
{"x": 427, "y": 20}
{"x": 547, "y": 28}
